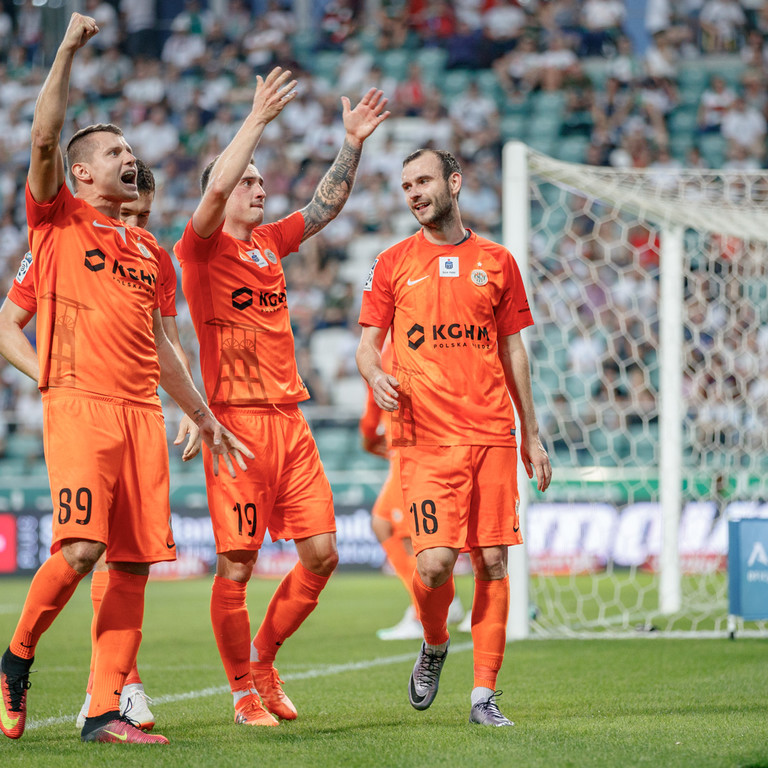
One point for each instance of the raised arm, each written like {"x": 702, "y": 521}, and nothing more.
{"x": 368, "y": 358}
{"x": 269, "y": 99}
{"x": 517, "y": 372}
{"x": 334, "y": 188}
{"x": 46, "y": 164}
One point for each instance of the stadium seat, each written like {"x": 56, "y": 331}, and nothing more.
{"x": 454, "y": 82}
{"x": 23, "y": 446}
{"x": 693, "y": 75}
{"x": 489, "y": 85}
{"x": 573, "y": 149}
{"x": 680, "y": 144}
{"x": 712, "y": 146}
{"x": 432, "y": 63}
{"x": 544, "y": 125}
{"x": 514, "y": 127}
{"x": 548, "y": 102}
{"x": 325, "y": 64}
{"x": 682, "y": 120}
{"x": 394, "y": 63}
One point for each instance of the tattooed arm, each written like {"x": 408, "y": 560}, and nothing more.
{"x": 333, "y": 190}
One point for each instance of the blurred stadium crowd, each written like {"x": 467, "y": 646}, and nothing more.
{"x": 660, "y": 84}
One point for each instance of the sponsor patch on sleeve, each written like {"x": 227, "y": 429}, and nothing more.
{"x": 26, "y": 263}
{"x": 369, "y": 281}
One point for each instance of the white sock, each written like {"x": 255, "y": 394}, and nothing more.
{"x": 237, "y": 695}
{"x": 437, "y": 648}
{"x": 481, "y": 694}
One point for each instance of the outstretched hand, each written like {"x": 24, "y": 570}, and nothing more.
{"x": 80, "y": 30}
{"x": 363, "y": 120}
{"x": 223, "y": 444}
{"x": 273, "y": 93}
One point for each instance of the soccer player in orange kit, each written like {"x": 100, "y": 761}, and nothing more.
{"x": 233, "y": 279}
{"x": 102, "y": 353}
{"x": 455, "y": 305}
{"x": 15, "y": 314}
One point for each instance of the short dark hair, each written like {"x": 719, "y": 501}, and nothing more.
{"x": 448, "y": 162}
{"x": 145, "y": 179}
{"x": 205, "y": 176}
{"x": 79, "y": 147}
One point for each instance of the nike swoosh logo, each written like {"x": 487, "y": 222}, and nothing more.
{"x": 413, "y": 282}
{"x": 119, "y": 230}
{"x": 240, "y": 677}
{"x": 8, "y": 723}
{"x": 118, "y": 736}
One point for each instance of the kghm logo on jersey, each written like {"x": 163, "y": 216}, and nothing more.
{"x": 242, "y": 298}
{"x": 416, "y": 336}
{"x": 449, "y": 335}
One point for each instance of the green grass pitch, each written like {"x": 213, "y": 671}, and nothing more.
{"x": 642, "y": 702}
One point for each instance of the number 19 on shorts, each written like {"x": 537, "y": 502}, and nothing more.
{"x": 424, "y": 517}
{"x": 246, "y": 518}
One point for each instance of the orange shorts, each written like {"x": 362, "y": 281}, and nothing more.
{"x": 389, "y": 503}
{"x": 460, "y": 496}
{"x": 284, "y": 490}
{"x": 108, "y": 469}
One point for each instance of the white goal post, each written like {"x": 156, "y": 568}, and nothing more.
{"x": 649, "y": 290}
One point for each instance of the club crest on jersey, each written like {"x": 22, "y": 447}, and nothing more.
{"x": 256, "y": 257}
{"x": 369, "y": 281}
{"x": 271, "y": 256}
{"x": 449, "y": 266}
{"x": 479, "y": 277}
{"x": 26, "y": 263}
{"x": 145, "y": 252}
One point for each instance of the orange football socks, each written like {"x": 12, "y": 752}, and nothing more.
{"x": 118, "y": 636}
{"x": 52, "y": 586}
{"x": 294, "y": 599}
{"x": 432, "y": 605}
{"x": 490, "y": 609}
{"x": 232, "y": 630}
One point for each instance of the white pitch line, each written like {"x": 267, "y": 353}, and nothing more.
{"x": 325, "y": 671}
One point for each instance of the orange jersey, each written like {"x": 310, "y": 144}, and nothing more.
{"x": 167, "y": 289}
{"x": 95, "y": 281}
{"x": 448, "y": 306}
{"x": 22, "y": 291}
{"x": 237, "y": 299}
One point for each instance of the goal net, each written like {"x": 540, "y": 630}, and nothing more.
{"x": 649, "y": 359}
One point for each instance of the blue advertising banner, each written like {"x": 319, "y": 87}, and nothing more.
{"x": 748, "y": 568}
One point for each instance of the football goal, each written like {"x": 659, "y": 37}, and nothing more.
{"x": 649, "y": 289}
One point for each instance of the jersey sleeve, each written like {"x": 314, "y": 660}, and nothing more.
{"x": 167, "y": 289}
{"x": 378, "y": 307}
{"x": 41, "y": 215}
{"x": 192, "y": 247}
{"x": 22, "y": 291}
{"x": 513, "y": 312}
{"x": 286, "y": 233}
